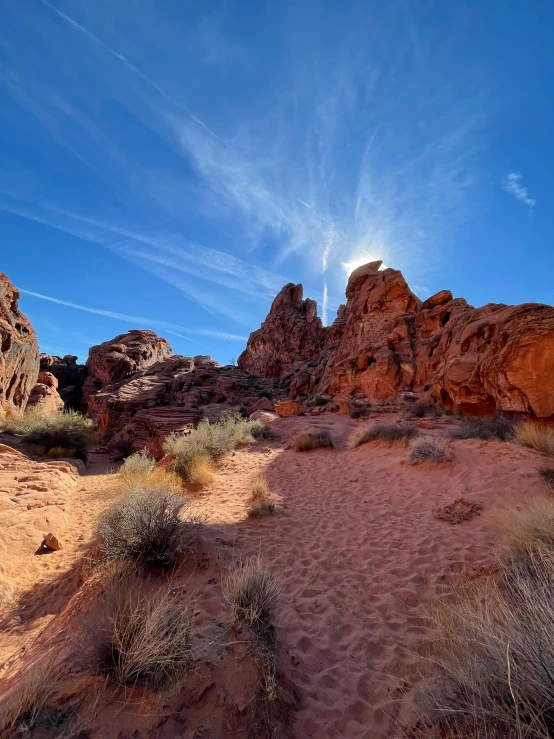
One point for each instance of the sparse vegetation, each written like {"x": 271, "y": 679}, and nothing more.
{"x": 537, "y": 436}
{"x": 321, "y": 400}
{"x": 382, "y": 432}
{"x": 67, "y": 430}
{"x": 252, "y": 592}
{"x": 495, "y": 641}
{"x": 29, "y": 697}
{"x": 313, "y": 440}
{"x": 428, "y": 449}
{"x": 140, "y": 470}
{"x": 261, "y": 503}
{"x": 150, "y": 524}
{"x": 547, "y": 474}
{"x": 422, "y": 409}
{"x": 495, "y": 427}
{"x": 208, "y": 441}
{"x": 361, "y": 411}
{"x": 145, "y": 637}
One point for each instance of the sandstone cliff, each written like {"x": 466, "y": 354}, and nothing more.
{"x": 385, "y": 340}
{"x": 19, "y": 362}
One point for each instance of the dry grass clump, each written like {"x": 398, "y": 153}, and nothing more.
{"x": 24, "y": 704}
{"x": 422, "y": 409}
{"x": 536, "y": 436}
{"x": 145, "y": 637}
{"x": 261, "y": 503}
{"x": 547, "y": 474}
{"x": 150, "y": 524}
{"x": 428, "y": 449}
{"x": 193, "y": 451}
{"x": 361, "y": 411}
{"x": 495, "y": 427}
{"x": 382, "y": 432}
{"x": 313, "y": 440}
{"x": 139, "y": 469}
{"x": 252, "y": 593}
{"x": 496, "y": 645}
{"x": 67, "y": 430}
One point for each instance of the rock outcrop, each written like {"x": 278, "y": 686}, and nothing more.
{"x": 385, "y": 341}
{"x": 292, "y": 330}
{"x": 116, "y": 360}
{"x": 171, "y": 395}
{"x": 70, "y": 377}
{"x": 19, "y": 362}
{"x": 44, "y": 396}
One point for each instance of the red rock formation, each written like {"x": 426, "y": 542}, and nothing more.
{"x": 291, "y": 330}
{"x": 385, "y": 341}
{"x": 44, "y": 396}
{"x": 19, "y": 363}
{"x": 115, "y": 360}
{"x": 70, "y": 377}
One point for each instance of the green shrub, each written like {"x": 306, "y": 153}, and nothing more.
{"x": 69, "y": 430}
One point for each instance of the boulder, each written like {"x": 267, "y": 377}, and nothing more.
{"x": 262, "y": 404}
{"x": 120, "y": 358}
{"x": 44, "y": 396}
{"x": 70, "y": 377}
{"x": 287, "y": 408}
{"x": 19, "y": 361}
{"x": 266, "y": 417}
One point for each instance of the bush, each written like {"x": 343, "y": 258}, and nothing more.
{"x": 547, "y": 474}
{"x": 152, "y": 525}
{"x": 145, "y": 638}
{"x": 137, "y": 465}
{"x": 69, "y": 430}
{"x": 210, "y": 440}
{"x": 321, "y": 400}
{"x": 428, "y": 449}
{"x": 536, "y": 436}
{"x": 421, "y": 409}
{"x": 497, "y": 650}
{"x": 260, "y": 431}
{"x": 307, "y": 442}
{"x": 265, "y": 394}
{"x": 252, "y": 592}
{"x": 24, "y": 704}
{"x": 495, "y": 427}
{"x": 261, "y": 503}
{"x": 383, "y": 432}
{"x": 361, "y": 411}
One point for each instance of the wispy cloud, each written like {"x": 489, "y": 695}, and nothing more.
{"x": 512, "y": 185}
{"x": 325, "y": 304}
{"x": 140, "y": 321}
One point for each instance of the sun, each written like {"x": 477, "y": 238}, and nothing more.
{"x": 358, "y": 261}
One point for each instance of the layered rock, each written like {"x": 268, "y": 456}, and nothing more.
{"x": 44, "y": 396}
{"x": 171, "y": 395}
{"x": 19, "y": 362}
{"x": 70, "y": 377}
{"x": 114, "y": 361}
{"x": 385, "y": 341}
{"x": 291, "y": 331}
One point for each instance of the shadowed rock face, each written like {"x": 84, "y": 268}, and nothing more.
{"x": 19, "y": 362}
{"x": 291, "y": 330}
{"x": 70, "y": 377}
{"x": 385, "y": 341}
{"x": 115, "y": 360}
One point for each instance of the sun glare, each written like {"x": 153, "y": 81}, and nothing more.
{"x": 358, "y": 261}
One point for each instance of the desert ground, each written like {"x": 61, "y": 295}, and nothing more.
{"x": 358, "y": 549}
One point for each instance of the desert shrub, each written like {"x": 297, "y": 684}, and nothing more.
{"x": 137, "y": 465}
{"x": 547, "y": 474}
{"x": 25, "y": 703}
{"x": 260, "y": 431}
{"x": 152, "y": 525}
{"x": 421, "y": 409}
{"x": 145, "y": 637}
{"x": 536, "y": 436}
{"x": 140, "y": 470}
{"x": 448, "y": 412}
{"x": 60, "y": 452}
{"x": 428, "y": 449}
{"x": 252, "y": 592}
{"x": 382, "y": 432}
{"x": 321, "y": 400}
{"x": 261, "y": 503}
{"x": 497, "y": 650}
{"x": 313, "y": 440}
{"x": 495, "y": 427}
{"x": 69, "y": 430}
{"x": 265, "y": 394}
{"x": 209, "y": 440}
{"x": 361, "y": 411}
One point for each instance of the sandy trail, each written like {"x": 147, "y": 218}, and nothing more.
{"x": 354, "y": 543}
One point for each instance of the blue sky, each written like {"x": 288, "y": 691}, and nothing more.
{"x": 169, "y": 164}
